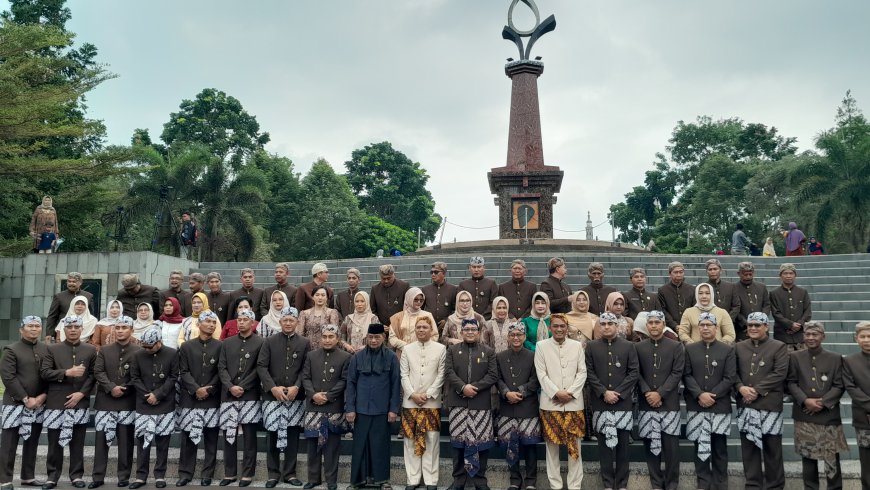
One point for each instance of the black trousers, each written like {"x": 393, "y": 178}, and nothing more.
{"x": 713, "y": 473}
{"x": 614, "y": 462}
{"x": 125, "y": 440}
{"x": 249, "y": 453}
{"x": 187, "y": 461}
{"x": 531, "y": 456}
{"x": 811, "y": 475}
{"x": 291, "y": 453}
{"x": 864, "y": 458}
{"x": 143, "y": 457}
{"x": 461, "y": 477}
{"x": 371, "y": 449}
{"x": 773, "y": 475}
{"x": 54, "y": 460}
{"x": 9, "y": 447}
{"x": 324, "y": 460}
{"x": 669, "y": 478}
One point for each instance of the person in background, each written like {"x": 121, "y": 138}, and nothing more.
{"x": 794, "y": 240}
{"x": 440, "y": 295}
{"x": 815, "y": 247}
{"x": 596, "y": 289}
{"x": 387, "y": 296}
{"x": 305, "y": 293}
{"x": 769, "y": 251}
{"x": 187, "y": 235}
{"x": 638, "y": 298}
{"x": 282, "y": 275}
{"x": 344, "y": 299}
{"x": 518, "y": 290}
{"x": 176, "y": 279}
{"x": 556, "y": 287}
{"x": 133, "y": 293}
{"x": 483, "y": 289}
{"x": 47, "y": 239}
{"x": 240, "y": 304}
{"x": 739, "y": 242}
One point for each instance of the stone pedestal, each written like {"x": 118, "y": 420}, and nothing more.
{"x": 525, "y": 187}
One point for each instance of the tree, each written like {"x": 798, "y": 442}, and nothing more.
{"x": 380, "y": 235}
{"x": 219, "y": 122}
{"x": 283, "y": 203}
{"x": 392, "y": 187}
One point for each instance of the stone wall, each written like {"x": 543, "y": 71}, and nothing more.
{"x": 27, "y": 284}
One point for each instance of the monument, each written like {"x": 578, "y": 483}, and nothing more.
{"x": 525, "y": 187}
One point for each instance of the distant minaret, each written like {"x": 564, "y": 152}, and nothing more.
{"x": 588, "y": 225}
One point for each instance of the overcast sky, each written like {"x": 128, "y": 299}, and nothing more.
{"x": 325, "y": 77}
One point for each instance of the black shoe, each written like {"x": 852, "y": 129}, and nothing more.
{"x": 271, "y": 483}
{"x": 160, "y": 484}
{"x": 296, "y": 482}
{"x": 137, "y": 484}
{"x": 410, "y": 487}
{"x": 431, "y": 487}
{"x": 48, "y": 485}
{"x": 33, "y": 483}
{"x": 310, "y": 485}
{"x": 245, "y": 483}
{"x": 205, "y": 482}
{"x": 95, "y": 484}
{"x": 182, "y": 482}
{"x": 226, "y": 481}
{"x": 79, "y": 484}
{"x": 332, "y": 486}
{"x": 485, "y": 487}
{"x": 123, "y": 483}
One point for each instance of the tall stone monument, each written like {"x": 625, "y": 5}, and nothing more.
{"x": 525, "y": 187}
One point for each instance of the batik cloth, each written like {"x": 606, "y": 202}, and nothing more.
{"x": 607, "y": 422}
{"x": 756, "y": 423}
{"x": 820, "y": 442}
{"x": 108, "y": 421}
{"x": 700, "y": 426}
{"x": 320, "y": 424}
{"x": 651, "y": 425}
{"x": 278, "y": 416}
{"x": 416, "y": 422}
{"x": 21, "y": 417}
{"x": 564, "y": 428}
{"x": 195, "y": 420}
{"x": 235, "y": 413}
{"x": 513, "y": 431}
{"x": 471, "y": 430}
{"x": 863, "y": 437}
{"x": 149, "y": 426}
{"x": 65, "y": 420}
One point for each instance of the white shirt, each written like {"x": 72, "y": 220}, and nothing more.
{"x": 560, "y": 367}
{"x": 422, "y": 370}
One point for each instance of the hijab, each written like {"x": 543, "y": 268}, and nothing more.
{"x": 769, "y": 251}
{"x": 712, "y": 298}
{"x": 543, "y": 329}
{"x": 139, "y": 326}
{"x": 364, "y": 319}
{"x": 175, "y": 317}
{"x": 109, "y": 320}
{"x": 583, "y": 321}
{"x": 89, "y": 322}
{"x": 409, "y": 318}
{"x": 794, "y": 237}
{"x": 495, "y": 302}
{"x": 458, "y": 316}
{"x": 272, "y": 319}
{"x": 611, "y": 300}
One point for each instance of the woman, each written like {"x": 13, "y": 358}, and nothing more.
{"x": 688, "y": 328}
{"x": 452, "y": 333}
{"x": 312, "y": 319}
{"x": 538, "y": 323}
{"x": 403, "y": 324}
{"x": 356, "y": 325}
{"x": 581, "y": 323}
{"x": 231, "y": 328}
{"x": 190, "y": 326}
{"x": 104, "y": 332}
{"x": 794, "y": 241}
{"x": 769, "y": 251}
{"x": 144, "y": 319}
{"x": 78, "y": 307}
{"x": 172, "y": 320}
{"x": 271, "y": 323}
{"x": 615, "y": 304}
{"x": 495, "y": 333}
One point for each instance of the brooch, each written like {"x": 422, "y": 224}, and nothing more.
{"x": 331, "y": 370}
{"x": 761, "y": 363}
{"x": 212, "y": 360}
{"x": 714, "y": 363}
{"x": 618, "y": 364}
{"x": 824, "y": 377}
{"x": 247, "y": 356}
{"x": 294, "y": 355}
{"x": 161, "y": 376}
{"x": 126, "y": 366}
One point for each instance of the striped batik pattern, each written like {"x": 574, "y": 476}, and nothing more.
{"x": 606, "y": 423}
{"x": 235, "y": 413}
{"x": 756, "y": 423}
{"x": 108, "y": 421}
{"x": 651, "y": 425}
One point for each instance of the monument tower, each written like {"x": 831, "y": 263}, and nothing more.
{"x": 525, "y": 187}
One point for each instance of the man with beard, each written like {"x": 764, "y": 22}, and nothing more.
{"x": 724, "y": 292}
{"x": 483, "y": 289}
{"x": 596, "y": 289}
{"x": 176, "y": 278}
{"x": 282, "y": 278}
{"x": 200, "y": 400}
{"x": 388, "y": 295}
{"x": 60, "y": 302}
{"x": 115, "y": 405}
{"x": 23, "y": 402}
{"x": 518, "y": 291}
{"x": 638, "y": 298}
{"x": 372, "y": 401}
{"x": 440, "y": 295}
{"x": 68, "y": 367}
{"x": 676, "y": 295}
{"x": 753, "y": 297}
{"x": 555, "y": 286}
{"x": 344, "y": 299}
{"x": 791, "y": 308}
{"x": 248, "y": 289}
{"x": 279, "y": 367}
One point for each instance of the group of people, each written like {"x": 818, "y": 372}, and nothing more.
{"x": 512, "y": 364}
{"x": 795, "y": 242}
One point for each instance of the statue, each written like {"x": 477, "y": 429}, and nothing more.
{"x": 43, "y": 215}
{"x": 511, "y": 33}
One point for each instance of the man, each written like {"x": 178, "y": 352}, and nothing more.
{"x": 596, "y": 289}
{"x": 68, "y": 367}
{"x": 240, "y": 399}
{"x": 661, "y": 362}
{"x": 739, "y": 242}
{"x": 470, "y": 372}
{"x": 791, "y": 308}
{"x": 371, "y": 402}
{"x": 762, "y": 367}
{"x": 319, "y": 277}
{"x": 196, "y": 283}
{"x": 753, "y": 297}
{"x": 638, "y": 298}
{"x": 23, "y": 402}
{"x": 279, "y": 367}
{"x": 344, "y": 299}
{"x": 440, "y": 295}
{"x": 218, "y": 300}
{"x": 282, "y": 275}
{"x": 558, "y": 291}
{"x": 815, "y": 381}
{"x": 724, "y": 292}
{"x": 388, "y": 295}
{"x": 561, "y": 369}
{"x": 60, "y": 302}
{"x": 518, "y": 290}
{"x": 133, "y": 293}
{"x": 422, "y": 371}
{"x": 856, "y": 379}
{"x": 711, "y": 369}
{"x": 324, "y": 378}
{"x": 676, "y": 295}
{"x": 483, "y": 289}
{"x": 248, "y": 289}
{"x": 200, "y": 400}
{"x": 153, "y": 372}
{"x": 176, "y": 278}
{"x": 611, "y": 372}
{"x": 187, "y": 235}
{"x": 115, "y": 405}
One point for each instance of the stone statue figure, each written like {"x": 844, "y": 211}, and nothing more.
{"x": 44, "y": 214}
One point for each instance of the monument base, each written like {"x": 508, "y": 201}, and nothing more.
{"x": 525, "y": 199}
{"x": 521, "y": 246}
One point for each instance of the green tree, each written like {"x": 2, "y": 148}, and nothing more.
{"x": 283, "y": 203}
{"x": 392, "y": 187}
{"x": 378, "y": 234}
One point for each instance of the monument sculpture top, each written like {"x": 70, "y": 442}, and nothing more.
{"x": 511, "y": 33}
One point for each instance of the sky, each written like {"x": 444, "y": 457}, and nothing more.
{"x": 326, "y": 77}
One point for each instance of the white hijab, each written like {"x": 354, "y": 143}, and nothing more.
{"x": 272, "y": 320}
{"x": 89, "y": 322}
{"x": 139, "y": 326}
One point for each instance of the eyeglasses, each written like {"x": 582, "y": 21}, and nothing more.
{"x": 515, "y": 335}
{"x": 469, "y": 329}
